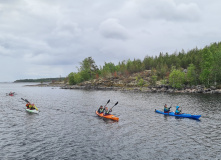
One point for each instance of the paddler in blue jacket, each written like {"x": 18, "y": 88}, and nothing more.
{"x": 101, "y": 109}
{"x": 166, "y": 109}
{"x": 178, "y": 110}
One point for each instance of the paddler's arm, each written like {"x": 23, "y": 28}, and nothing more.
{"x": 35, "y": 107}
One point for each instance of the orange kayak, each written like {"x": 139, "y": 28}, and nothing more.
{"x": 109, "y": 116}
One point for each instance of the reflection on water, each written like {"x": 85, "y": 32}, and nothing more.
{"x": 67, "y": 127}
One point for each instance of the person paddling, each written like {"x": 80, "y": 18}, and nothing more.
{"x": 106, "y": 111}
{"x": 27, "y": 105}
{"x": 101, "y": 109}
{"x": 30, "y": 106}
{"x": 166, "y": 109}
{"x": 11, "y": 94}
{"x": 178, "y": 110}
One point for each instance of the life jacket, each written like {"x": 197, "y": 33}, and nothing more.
{"x": 31, "y": 106}
{"x": 166, "y": 109}
{"x": 107, "y": 111}
{"x": 101, "y": 110}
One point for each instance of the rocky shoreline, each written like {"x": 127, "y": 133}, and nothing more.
{"x": 167, "y": 89}
{"x": 160, "y": 88}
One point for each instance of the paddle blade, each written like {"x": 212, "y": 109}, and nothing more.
{"x": 116, "y": 103}
{"x": 25, "y": 100}
{"x": 107, "y": 103}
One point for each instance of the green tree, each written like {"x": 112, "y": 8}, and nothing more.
{"x": 217, "y": 67}
{"x": 129, "y": 66}
{"x": 71, "y": 78}
{"x": 85, "y": 75}
{"x": 207, "y": 67}
{"x": 176, "y": 78}
{"x": 88, "y": 66}
{"x": 141, "y": 82}
{"x": 148, "y": 63}
{"x": 108, "y": 69}
{"x": 78, "y": 78}
{"x": 191, "y": 74}
{"x": 153, "y": 79}
{"x": 122, "y": 68}
{"x": 161, "y": 70}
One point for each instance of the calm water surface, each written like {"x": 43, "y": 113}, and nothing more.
{"x": 67, "y": 127}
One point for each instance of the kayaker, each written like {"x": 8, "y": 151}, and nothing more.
{"x": 178, "y": 110}
{"x": 30, "y": 106}
{"x": 101, "y": 109}
{"x": 106, "y": 111}
{"x": 166, "y": 109}
{"x": 27, "y": 105}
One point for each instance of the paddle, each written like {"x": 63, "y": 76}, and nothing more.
{"x": 113, "y": 106}
{"x": 107, "y": 103}
{"x": 181, "y": 110}
{"x": 25, "y": 100}
{"x": 171, "y": 105}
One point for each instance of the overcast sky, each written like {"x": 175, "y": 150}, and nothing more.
{"x": 49, "y": 38}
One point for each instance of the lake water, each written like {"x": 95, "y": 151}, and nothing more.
{"x": 68, "y": 128}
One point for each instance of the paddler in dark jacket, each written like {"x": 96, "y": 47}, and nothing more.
{"x": 101, "y": 109}
{"x": 166, "y": 109}
{"x": 106, "y": 111}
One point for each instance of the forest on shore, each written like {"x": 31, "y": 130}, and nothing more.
{"x": 195, "y": 67}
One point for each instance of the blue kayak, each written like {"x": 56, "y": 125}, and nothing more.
{"x": 184, "y": 115}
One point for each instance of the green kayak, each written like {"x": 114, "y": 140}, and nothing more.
{"x": 32, "y": 110}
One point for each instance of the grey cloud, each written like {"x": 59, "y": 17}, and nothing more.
{"x": 14, "y": 46}
{"x": 171, "y": 11}
{"x": 67, "y": 29}
{"x": 111, "y": 28}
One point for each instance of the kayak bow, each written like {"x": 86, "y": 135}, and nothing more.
{"x": 184, "y": 115}
{"x": 109, "y": 116}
